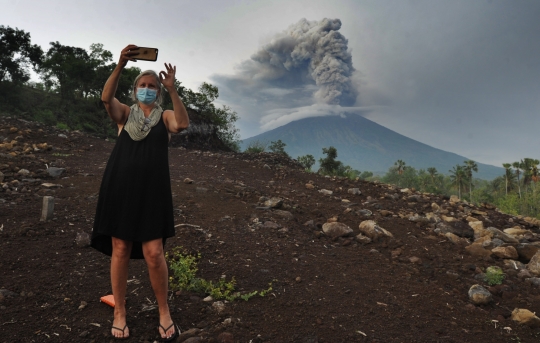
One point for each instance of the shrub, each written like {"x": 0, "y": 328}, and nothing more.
{"x": 62, "y": 126}
{"x": 184, "y": 269}
{"x": 494, "y": 275}
{"x": 278, "y": 147}
{"x": 255, "y": 147}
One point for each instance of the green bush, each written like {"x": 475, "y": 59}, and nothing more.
{"x": 255, "y": 147}
{"x": 494, "y": 275}
{"x": 45, "y": 116}
{"x": 62, "y": 126}
{"x": 184, "y": 269}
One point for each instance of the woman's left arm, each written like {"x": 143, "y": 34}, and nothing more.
{"x": 178, "y": 119}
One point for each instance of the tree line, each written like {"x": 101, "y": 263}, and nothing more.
{"x": 515, "y": 192}
{"x": 72, "y": 79}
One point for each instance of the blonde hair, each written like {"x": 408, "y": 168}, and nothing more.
{"x": 159, "y": 98}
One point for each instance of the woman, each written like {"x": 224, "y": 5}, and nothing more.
{"x": 134, "y": 214}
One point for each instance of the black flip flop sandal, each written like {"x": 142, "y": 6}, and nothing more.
{"x": 123, "y": 333}
{"x": 175, "y": 334}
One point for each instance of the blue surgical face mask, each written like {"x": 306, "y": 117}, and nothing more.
{"x": 146, "y": 95}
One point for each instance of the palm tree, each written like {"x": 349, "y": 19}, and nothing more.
{"x": 433, "y": 173}
{"x": 400, "y": 167}
{"x": 528, "y": 164}
{"x": 517, "y": 166}
{"x": 457, "y": 175}
{"x": 507, "y": 174}
{"x": 470, "y": 166}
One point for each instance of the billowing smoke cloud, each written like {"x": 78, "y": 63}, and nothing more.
{"x": 309, "y": 49}
{"x": 306, "y": 66}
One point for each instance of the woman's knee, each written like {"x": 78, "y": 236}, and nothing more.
{"x": 121, "y": 248}
{"x": 153, "y": 253}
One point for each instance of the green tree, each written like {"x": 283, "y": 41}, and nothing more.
{"x": 329, "y": 165}
{"x": 17, "y": 54}
{"x": 400, "y": 167}
{"x": 278, "y": 147}
{"x": 508, "y": 175}
{"x": 307, "y": 161}
{"x": 470, "y": 167}
{"x": 457, "y": 176}
{"x": 67, "y": 69}
{"x": 433, "y": 173}
{"x": 517, "y": 166}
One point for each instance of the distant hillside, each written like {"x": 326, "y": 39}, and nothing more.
{"x": 364, "y": 145}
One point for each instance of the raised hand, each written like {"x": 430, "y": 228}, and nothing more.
{"x": 126, "y": 54}
{"x": 167, "y": 78}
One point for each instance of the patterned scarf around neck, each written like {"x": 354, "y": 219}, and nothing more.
{"x": 135, "y": 122}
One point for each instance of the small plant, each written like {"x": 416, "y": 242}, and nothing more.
{"x": 494, "y": 275}
{"x": 255, "y": 147}
{"x": 62, "y": 126}
{"x": 184, "y": 269}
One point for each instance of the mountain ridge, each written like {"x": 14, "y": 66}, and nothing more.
{"x": 364, "y": 145}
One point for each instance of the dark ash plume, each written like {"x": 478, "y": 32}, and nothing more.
{"x": 307, "y": 52}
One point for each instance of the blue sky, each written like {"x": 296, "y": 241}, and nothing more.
{"x": 462, "y": 76}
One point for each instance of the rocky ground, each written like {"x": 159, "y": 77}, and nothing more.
{"x": 349, "y": 261}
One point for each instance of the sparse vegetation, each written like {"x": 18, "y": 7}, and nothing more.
{"x": 307, "y": 161}
{"x": 255, "y": 147}
{"x": 278, "y": 147}
{"x": 494, "y": 275}
{"x": 184, "y": 270}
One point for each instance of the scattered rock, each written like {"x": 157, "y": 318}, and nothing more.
{"x": 273, "y": 202}
{"x": 534, "y": 281}
{"x": 373, "y": 231}
{"x": 271, "y": 225}
{"x": 360, "y": 238}
{"x": 456, "y": 239}
{"x": 505, "y": 252}
{"x": 477, "y": 250}
{"x": 526, "y": 251}
{"x": 188, "y": 181}
{"x": 336, "y": 229}
{"x": 225, "y": 337}
{"x": 354, "y": 191}
{"x": 218, "y": 306}
{"x": 525, "y": 317}
{"x": 284, "y": 214}
{"x": 496, "y": 233}
{"x": 479, "y": 295}
{"x": 188, "y": 334}
{"x": 415, "y": 260}
{"x": 55, "y": 172}
{"x": 534, "y": 264}
{"x": 325, "y": 192}
{"x": 82, "y": 239}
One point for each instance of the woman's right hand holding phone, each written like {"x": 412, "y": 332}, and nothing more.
{"x": 127, "y": 55}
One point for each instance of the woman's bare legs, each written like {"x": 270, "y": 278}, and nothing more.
{"x": 119, "y": 274}
{"x": 159, "y": 274}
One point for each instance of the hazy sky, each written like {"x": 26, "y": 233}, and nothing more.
{"x": 462, "y": 76}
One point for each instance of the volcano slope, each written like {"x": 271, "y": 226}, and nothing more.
{"x": 412, "y": 287}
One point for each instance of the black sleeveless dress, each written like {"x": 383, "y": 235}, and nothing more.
{"x": 135, "y": 199}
